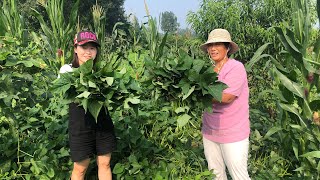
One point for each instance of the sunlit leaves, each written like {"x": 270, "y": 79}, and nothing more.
{"x": 94, "y": 108}
{"x": 95, "y": 87}
{"x": 314, "y": 154}
{"x": 183, "y": 120}
{"x": 118, "y": 169}
{"x": 85, "y": 94}
{"x": 109, "y": 80}
{"x": 186, "y": 95}
{"x": 294, "y": 87}
{"x": 185, "y": 78}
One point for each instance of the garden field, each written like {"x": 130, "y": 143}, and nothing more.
{"x": 156, "y": 86}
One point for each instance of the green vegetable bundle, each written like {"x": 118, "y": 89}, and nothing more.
{"x": 96, "y": 86}
{"x": 185, "y": 79}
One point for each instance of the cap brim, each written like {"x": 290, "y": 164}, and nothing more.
{"x": 87, "y": 41}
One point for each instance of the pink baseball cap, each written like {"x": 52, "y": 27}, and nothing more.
{"x": 84, "y": 37}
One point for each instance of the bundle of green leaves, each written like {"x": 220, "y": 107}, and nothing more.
{"x": 185, "y": 79}
{"x": 96, "y": 86}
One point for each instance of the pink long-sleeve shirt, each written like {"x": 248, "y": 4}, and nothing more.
{"x": 229, "y": 122}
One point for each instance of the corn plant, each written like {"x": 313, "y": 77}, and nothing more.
{"x": 58, "y": 34}
{"x": 11, "y": 22}
{"x": 296, "y": 74}
{"x": 301, "y": 76}
{"x": 99, "y": 22}
{"x": 155, "y": 41}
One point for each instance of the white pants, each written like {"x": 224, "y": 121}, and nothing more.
{"x": 233, "y": 155}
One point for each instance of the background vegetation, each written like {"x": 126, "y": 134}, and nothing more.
{"x": 158, "y": 130}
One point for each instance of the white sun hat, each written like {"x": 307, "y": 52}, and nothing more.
{"x": 220, "y": 35}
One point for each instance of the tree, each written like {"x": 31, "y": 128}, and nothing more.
{"x": 169, "y": 22}
{"x": 247, "y": 21}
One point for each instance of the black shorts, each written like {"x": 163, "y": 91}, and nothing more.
{"x": 88, "y": 138}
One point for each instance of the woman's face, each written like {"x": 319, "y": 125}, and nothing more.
{"x": 85, "y": 52}
{"x": 217, "y": 51}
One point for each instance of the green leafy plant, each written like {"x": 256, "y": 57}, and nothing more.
{"x": 29, "y": 118}
{"x": 94, "y": 87}
{"x": 58, "y": 34}
{"x": 296, "y": 76}
{"x": 11, "y": 22}
{"x": 184, "y": 79}
{"x": 99, "y": 23}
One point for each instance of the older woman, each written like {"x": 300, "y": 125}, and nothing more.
{"x": 226, "y": 129}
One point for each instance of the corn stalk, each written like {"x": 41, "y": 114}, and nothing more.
{"x": 297, "y": 77}
{"x": 303, "y": 78}
{"x": 296, "y": 74}
{"x": 155, "y": 41}
{"x": 57, "y": 35}
{"x": 99, "y": 22}
{"x": 11, "y": 22}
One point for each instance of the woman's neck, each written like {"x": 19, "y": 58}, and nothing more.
{"x": 219, "y": 64}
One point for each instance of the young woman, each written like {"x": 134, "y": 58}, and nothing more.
{"x": 226, "y": 129}
{"x": 86, "y": 137}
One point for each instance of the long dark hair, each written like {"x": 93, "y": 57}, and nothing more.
{"x": 75, "y": 62}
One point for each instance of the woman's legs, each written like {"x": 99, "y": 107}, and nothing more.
{"x": 104, "y": 170}
{"x": 214, "y": 157}
{"x": 233, "y": 155}
{"x": 79, "y": 169}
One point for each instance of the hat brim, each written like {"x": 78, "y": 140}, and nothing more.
{"x": 233, "y": 49}
{"x": 87, "y": 41}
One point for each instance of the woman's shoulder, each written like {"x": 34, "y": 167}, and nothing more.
{"x": 235, "y": 64}
{"x": 65, "y": 68}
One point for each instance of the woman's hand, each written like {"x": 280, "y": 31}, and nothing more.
{"x": 226, "y": 98}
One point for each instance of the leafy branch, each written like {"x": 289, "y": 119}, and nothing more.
{"x": 96, "y": 86}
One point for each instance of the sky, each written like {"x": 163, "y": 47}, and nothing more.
{"x": 179, "y": 7}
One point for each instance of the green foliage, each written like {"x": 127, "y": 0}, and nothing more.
{"x": 26, "y": 9}
{"x": 113, "y": 9}
{"x": 167, "y": 123}
{"x": 169, "y": 22}
{"x": 302, "y": 78}
{"x": 155, "y": 41}
{"x": 95, "y": 87}
{"x": 116, "y": 46}
{"x": 99, "y": 23}
{"x": 247, "y": 21}
{"x": 297, "y": 77}
{"x": 160, "y": 137}
{"x": 11, "y": 22}
{"x": 191, "y": 81}
{"x": 33, "y": 124}
{"x": 170, "y": 152}
{"x": 58, "y": 34}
